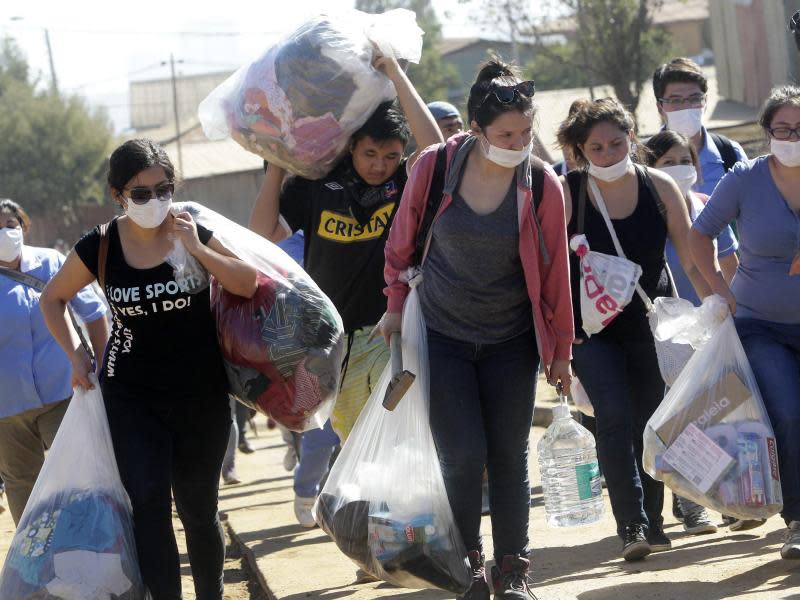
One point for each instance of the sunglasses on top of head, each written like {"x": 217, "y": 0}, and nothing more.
{"x": 142, "y": 195}
{"x": 505, "y": 94}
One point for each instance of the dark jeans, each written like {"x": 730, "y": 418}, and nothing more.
{"x": 480, "y": 413}
{"x": 162, "y": 446}
{"x": 773, "y": 350}
{"x": 625, "y": 386}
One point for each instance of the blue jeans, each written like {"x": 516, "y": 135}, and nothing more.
{"x": 168, "y": 448}
{"x": 625, "y": 386}
{"x": 773, "y": 350}
{"x": 316, "y": 448}
{"x": 481, "y": 407}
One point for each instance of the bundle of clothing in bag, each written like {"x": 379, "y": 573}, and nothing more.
{"x": 75, "y": 545}
{"x": 412, "y": 551}
{"x": 282, "y": 348}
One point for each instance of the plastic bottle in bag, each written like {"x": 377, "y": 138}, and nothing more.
{"x": 570, "y": 472}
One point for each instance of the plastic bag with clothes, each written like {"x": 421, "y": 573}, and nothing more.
{"x": 711, "y": 439}
{"x": 283, "y": 347}
{"x": 299, "y": 103}
{"x": 189, "y": 274}
{"x": 384, "y": 503}
{"x": 75, "y": 538}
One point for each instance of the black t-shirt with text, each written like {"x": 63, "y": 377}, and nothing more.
{"x": 344, "y": 240}
{"x": 163, "y": 339}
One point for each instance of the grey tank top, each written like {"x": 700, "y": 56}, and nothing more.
{"x": 473, "y": 286}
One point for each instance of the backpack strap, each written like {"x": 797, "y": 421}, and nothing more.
{"x": 433, "y": 202}
{"x": 537, "y": 181}
{"x": 726, "y": 150}
{"x": 102, "y": 255}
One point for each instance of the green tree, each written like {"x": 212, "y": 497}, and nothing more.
{"x": 432, "y": 76}
{"x": 54, "y": 147}
{"x": 556, "y": 69}
{"x": 610, "y": 42}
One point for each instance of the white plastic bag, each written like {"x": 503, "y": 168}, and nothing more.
{"x": 679, "y": 328}
{"x": 607, "y": 284}
{"x": 384, "y": 503}
{"x": 300, "y": 102}
{"x": 283, "y": 348}
{"x": 711, "y": 440}
{"x": 75, "y": 538}
{"x": 189, "y": 273}
{"x": 580, "y": 397}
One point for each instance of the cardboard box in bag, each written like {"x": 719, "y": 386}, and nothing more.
{"x": 709, "y": 408}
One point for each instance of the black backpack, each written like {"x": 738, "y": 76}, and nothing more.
{"x": 437, "y": 189}
{"x": 726, "y": 150}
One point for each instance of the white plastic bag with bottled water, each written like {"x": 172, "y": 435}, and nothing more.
{"x": 580, "y": 397}
{"x": 75, "y": 540}
{"x": 385, "y": 503}
{"x": 711, "y": 440}
{"x": 298, "y": 104}
{"x": 573, "y": 494}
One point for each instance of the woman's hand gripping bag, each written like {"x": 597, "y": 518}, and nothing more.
{"x": 711, "y": 440}
{"x": 75, "y": 538}
{"x": 282, "y": 348}
{"x": 384, "y": 503}
{"x": 299, "y": 103}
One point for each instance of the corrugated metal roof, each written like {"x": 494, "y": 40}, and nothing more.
{"x": 207, "y": 158}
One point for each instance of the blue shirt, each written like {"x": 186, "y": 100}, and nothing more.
{"x": 711, "y": 166}
{"x": 34, "y": 371}
{"x": 769, "y": 237}
{"x": 726, "y": 245}
{"x": 293, "y": 246}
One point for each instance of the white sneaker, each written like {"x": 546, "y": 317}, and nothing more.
{"x": 791, "y": 546}
{"x": 302, "y": 510}
{"x": 290, "y": 459}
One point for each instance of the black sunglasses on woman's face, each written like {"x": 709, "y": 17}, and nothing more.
{"x": 142, "y": 195}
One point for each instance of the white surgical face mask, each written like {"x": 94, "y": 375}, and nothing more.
{"x": 787, "y": 152}
{"x": 10, "y": 243}
{"x": 150, "y": 214}
{"x": 613, "y": 172}
{"x": 688, "y": 121}
{"x": 503, "y": 157}
{"x": 684, "y": 175}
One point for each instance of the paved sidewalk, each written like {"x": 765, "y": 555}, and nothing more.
{"x": 296, "y": 563}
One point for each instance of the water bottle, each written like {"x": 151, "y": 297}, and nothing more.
{"x": 570, "y": 472}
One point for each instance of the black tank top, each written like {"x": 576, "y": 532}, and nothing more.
{"x": 643, "y": 236}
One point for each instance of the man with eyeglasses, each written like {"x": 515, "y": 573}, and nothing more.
{"x": 680, "y": 88}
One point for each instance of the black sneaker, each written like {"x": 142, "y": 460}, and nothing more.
{"x": 634, "y": 542}
{"x": 676, "y": 509}
{"x": 479, "y": 589}
{"x": 511, "y": 580}
{"x": 657, "y": 539}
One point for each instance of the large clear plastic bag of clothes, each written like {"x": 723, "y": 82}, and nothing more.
{"x": 75, "y": 538}
{"x": 282, "y": 348}
{"x": 384, "y": 503}
{"x": 711, "y": 439}
{"x": 299, "y": 103}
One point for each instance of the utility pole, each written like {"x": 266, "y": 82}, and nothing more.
{"x": 175, "y": 110}
{"x": 53, "y": 79}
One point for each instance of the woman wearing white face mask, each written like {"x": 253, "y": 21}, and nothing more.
{"x": 35, "y": 384}
{"x": 618, "y": 366}
{"x": 763, "y": 196}
{"x": 163, "y": 379}
{"x": 495, "y": 283}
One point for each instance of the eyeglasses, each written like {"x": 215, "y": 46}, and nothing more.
{"x": 142, "y": 195}
{"x": 784, "y": 133}
{"x": 693, "y": 100}
{"x": 505, "y": 94}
